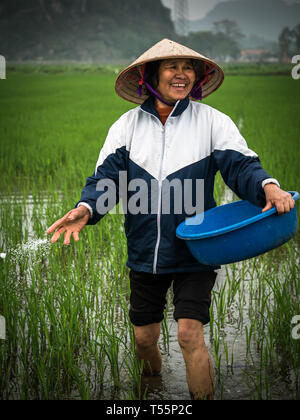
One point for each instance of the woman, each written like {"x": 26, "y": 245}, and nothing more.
{"x": 170, "y": 139}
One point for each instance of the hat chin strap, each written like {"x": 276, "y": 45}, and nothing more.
{"x": 157, "y": 95}
{"x": 150, "y": 88}
{"x": 195, "y": 93}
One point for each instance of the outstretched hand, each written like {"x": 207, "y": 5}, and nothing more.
{"x": 275, "y": 196}
{"x": 70, "y": 223}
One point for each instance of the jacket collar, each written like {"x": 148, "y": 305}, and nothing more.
{"x": 180, "y": 106}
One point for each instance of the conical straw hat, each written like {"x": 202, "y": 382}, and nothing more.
{"x": 128, "y": 80}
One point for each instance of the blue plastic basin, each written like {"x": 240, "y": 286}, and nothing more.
{"x": 237, "y": 231}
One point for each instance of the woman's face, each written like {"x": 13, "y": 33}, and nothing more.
{"x": 176, "y": 78}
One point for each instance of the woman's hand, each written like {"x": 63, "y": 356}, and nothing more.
{"x": 70, "y": 223}
{"x": 275, "y": 196}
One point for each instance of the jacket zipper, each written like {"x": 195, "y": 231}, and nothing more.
{"x": 159, "y": 203}
{"x": 154, "y": 268}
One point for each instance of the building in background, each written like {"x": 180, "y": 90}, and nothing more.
{"x": 257, "y": 55}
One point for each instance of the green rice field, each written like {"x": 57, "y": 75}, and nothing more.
{"x": 67, "y": 330}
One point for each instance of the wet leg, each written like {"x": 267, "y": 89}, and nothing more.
{"x": 199, "y": 369}
{"x": 146, "y": 345}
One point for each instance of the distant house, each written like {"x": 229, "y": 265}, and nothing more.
{"x": 256, "y": 55}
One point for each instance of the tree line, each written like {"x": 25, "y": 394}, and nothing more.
{"x": 224, "y": 41}
{"x": 289, "y": 42}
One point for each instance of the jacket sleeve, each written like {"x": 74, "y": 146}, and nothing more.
{"x": 101, "y": 191}
{"x": 239, "y": 166}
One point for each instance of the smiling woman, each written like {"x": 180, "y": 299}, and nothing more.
{"x": 193, "y": 143}
{"x": 176, "y": 79}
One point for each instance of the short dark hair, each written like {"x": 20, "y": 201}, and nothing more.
{"x": 151, "y": 73}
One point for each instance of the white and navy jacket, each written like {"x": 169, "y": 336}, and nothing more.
{"x": 195, "y": 142}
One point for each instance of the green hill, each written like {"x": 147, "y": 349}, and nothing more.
{"x": 81, "y": 30}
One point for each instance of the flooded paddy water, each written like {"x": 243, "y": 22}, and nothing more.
{"x": 52, "y": 295}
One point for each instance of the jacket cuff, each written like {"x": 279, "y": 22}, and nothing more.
{"x": 81, "y": 203}
{"x": 270, "y": 181}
